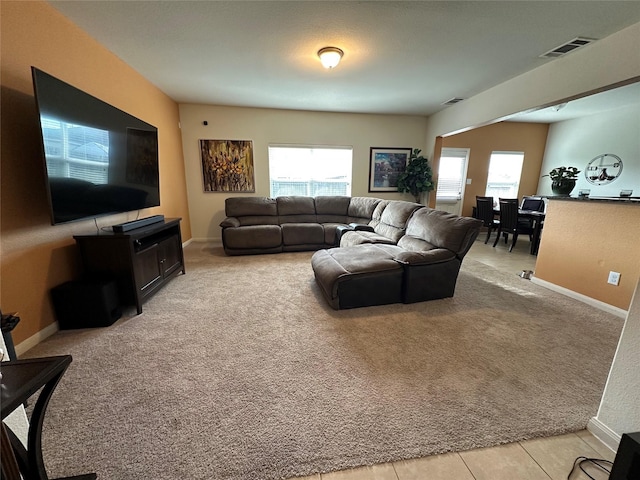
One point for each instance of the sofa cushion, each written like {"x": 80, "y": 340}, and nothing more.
{"x": 444, "y": 230}
{"x": 360, "y": 237}
{"x": 302, "y": 234}
{"x": 332, "y": 209}
{"x": 330, "y": 232}
{"x": 245, "y": 206}
{"x": 258, "y": 220}
{"x": 393, "y": 220}
{"x": 252, "y": 236}
{"x": 295, "y": 209}
{"x": 296, "y": 205}
{"x": 377, "y": 213}
{"x": 361, "y": 209}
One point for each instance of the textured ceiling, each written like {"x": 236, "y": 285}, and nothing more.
{"x": 400, "y": 57}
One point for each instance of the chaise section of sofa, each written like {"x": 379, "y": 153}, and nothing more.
{"x": 423, "y": 265}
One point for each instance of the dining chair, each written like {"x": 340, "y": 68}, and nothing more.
{"x": 533, "y": 203}
{"x": 484, "y": 212}
{"x": 509, "y": 222}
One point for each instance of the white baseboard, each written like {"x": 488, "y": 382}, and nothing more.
{"x": 583, "y": 298}
{"x": 46, "y": 332}
{"x": 603, "y": 433}
{"x": 33, "y": 340}
{"x": 212, "y": 241}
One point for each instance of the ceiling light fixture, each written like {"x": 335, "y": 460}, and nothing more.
{"x": 330, "y": 56}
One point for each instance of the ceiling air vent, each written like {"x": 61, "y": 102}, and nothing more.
{"x": 568, "y": 47}
{"x": 452, "y": 101}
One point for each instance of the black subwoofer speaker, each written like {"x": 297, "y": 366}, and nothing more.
{"x": 627, "y": 463}
{"x": 86, "y": 304}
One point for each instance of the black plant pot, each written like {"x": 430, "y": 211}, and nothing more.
{"x": 563, "y": 186}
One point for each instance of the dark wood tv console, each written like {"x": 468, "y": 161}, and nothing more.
{"x": 140, "y": 261}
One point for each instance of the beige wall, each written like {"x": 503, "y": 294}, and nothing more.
{"x": 35, "y": 255}
{"x": 268, "y": 126}
{"x": 529, "y": 138}
{"x": 583, "y": 241}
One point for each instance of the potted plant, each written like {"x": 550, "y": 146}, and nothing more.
{"x": 563, "y": 180}
{"x": 417, "y": 177}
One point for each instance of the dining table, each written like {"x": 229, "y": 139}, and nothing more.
{"x": 538, "y": 220}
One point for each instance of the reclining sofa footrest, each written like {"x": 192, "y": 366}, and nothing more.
{"x": 362, "y": 276}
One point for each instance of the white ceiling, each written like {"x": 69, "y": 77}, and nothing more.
{"x": 400, "y": 57}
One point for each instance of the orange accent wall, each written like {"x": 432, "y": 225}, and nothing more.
{"x": 37, "y": 256}
{"x": 529, "y": 138}
{"x": 435, "y": 166}
{"x": 583, "y": 241}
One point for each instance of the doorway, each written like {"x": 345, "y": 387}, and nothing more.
{"x": 452, "y": 173}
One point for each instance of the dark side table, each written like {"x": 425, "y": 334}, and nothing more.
{"x": 20, "y": 380}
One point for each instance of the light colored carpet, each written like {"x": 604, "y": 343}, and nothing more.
{"x": 239, "y": 370}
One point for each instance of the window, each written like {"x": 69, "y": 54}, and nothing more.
{"x": 503, "y": 180}
{"x": 309, "y": 171}
{"x": 76, "y": 151}
{"x": 451, "y": 173}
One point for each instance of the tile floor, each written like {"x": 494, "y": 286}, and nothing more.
{"x": 538, "y": 459}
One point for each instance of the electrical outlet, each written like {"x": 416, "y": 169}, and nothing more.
{"x": 614, "y": 278}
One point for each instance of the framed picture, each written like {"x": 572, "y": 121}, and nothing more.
{"x": 227, "y": 166}
{"x": 386, "y": 164}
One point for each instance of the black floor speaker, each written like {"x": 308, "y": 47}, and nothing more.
{"x": 86, "y": 304}
{"x": 627, "y": 463}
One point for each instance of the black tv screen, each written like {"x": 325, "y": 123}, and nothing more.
{"x": 99, "y": 160}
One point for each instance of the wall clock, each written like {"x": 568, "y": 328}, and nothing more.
{"x": 603, "y": 169}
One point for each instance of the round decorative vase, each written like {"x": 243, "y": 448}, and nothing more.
{"x": 563, "y": 186}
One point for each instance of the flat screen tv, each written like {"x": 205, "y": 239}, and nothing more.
{"x": 99, "y": 160}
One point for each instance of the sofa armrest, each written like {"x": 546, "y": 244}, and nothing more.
{"x": 340, "y": 229}
{"x": 230, "y": 222}
{"x": 361, "y": 227}
{"x": 437, "y": 255}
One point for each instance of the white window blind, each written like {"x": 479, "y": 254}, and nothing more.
{"x": 451, "y": 174}
{"x": 310, "y": 170}
{"x": 76, "y": 151}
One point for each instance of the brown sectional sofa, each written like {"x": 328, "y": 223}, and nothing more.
{"x": 390, "y": 251}
{"x": 288, "y": 224}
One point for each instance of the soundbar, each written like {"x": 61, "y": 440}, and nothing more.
{"x": 133, "y": 224}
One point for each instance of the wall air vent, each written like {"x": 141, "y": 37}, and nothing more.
{"x": 568, "y": 47}
{"x": 452, "y": 101}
